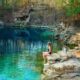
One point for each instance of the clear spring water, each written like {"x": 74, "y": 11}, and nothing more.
{"x": 17, "y": 59}
{"x": 18, "y": 56}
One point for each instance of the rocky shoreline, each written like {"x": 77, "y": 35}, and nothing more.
{"x": 65, "y": 69}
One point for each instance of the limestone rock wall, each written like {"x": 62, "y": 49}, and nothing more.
{"x": 67, "y": 70}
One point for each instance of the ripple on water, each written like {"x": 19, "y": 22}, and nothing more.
{"x": 23, "y": 70}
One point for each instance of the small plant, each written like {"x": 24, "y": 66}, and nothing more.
{"x": 39, "y": 62}
{"x": 71, "y": 46}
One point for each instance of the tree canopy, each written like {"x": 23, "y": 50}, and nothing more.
{"x": 73, "y": 7}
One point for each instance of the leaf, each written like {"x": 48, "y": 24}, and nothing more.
{"x": 71, "y": 1}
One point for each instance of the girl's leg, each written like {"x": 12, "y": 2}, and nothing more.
{"x": 45, "y": 54}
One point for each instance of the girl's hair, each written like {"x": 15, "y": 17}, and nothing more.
{"x": 49, "y": 43}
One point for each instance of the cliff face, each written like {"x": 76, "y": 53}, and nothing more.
{"x": 75, "y": 39}
{"x": 47, "y": 12}
{"x": 44, "y": 10}
{"x": 43, "y": 17}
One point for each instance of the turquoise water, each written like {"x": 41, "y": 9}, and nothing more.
{"x": 19, "y": 49}
{"x": 18, "y": 60}
{"x": 18, "y": 67}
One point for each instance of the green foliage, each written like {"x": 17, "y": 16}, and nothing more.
{"x": 6, "y": 5}
{"x": 71, "y": 1}
{"x": 9, "y": 4}
{"x": 71, "y": 46}
{"x": 73, "y": 7}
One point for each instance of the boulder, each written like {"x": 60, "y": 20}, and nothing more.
{"x": 66, "y": 70}
{"x": 60, "y": 56}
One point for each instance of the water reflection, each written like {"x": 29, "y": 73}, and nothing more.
{"x": 17, "y": 59}
{"x": 12, "y": 46}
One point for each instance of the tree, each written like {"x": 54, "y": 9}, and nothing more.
{"x": 73, "y": 8}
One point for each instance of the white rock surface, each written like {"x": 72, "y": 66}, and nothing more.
{"x": 63, "y": 70}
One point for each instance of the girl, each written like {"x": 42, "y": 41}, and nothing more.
{"x": 49, "y": 52}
